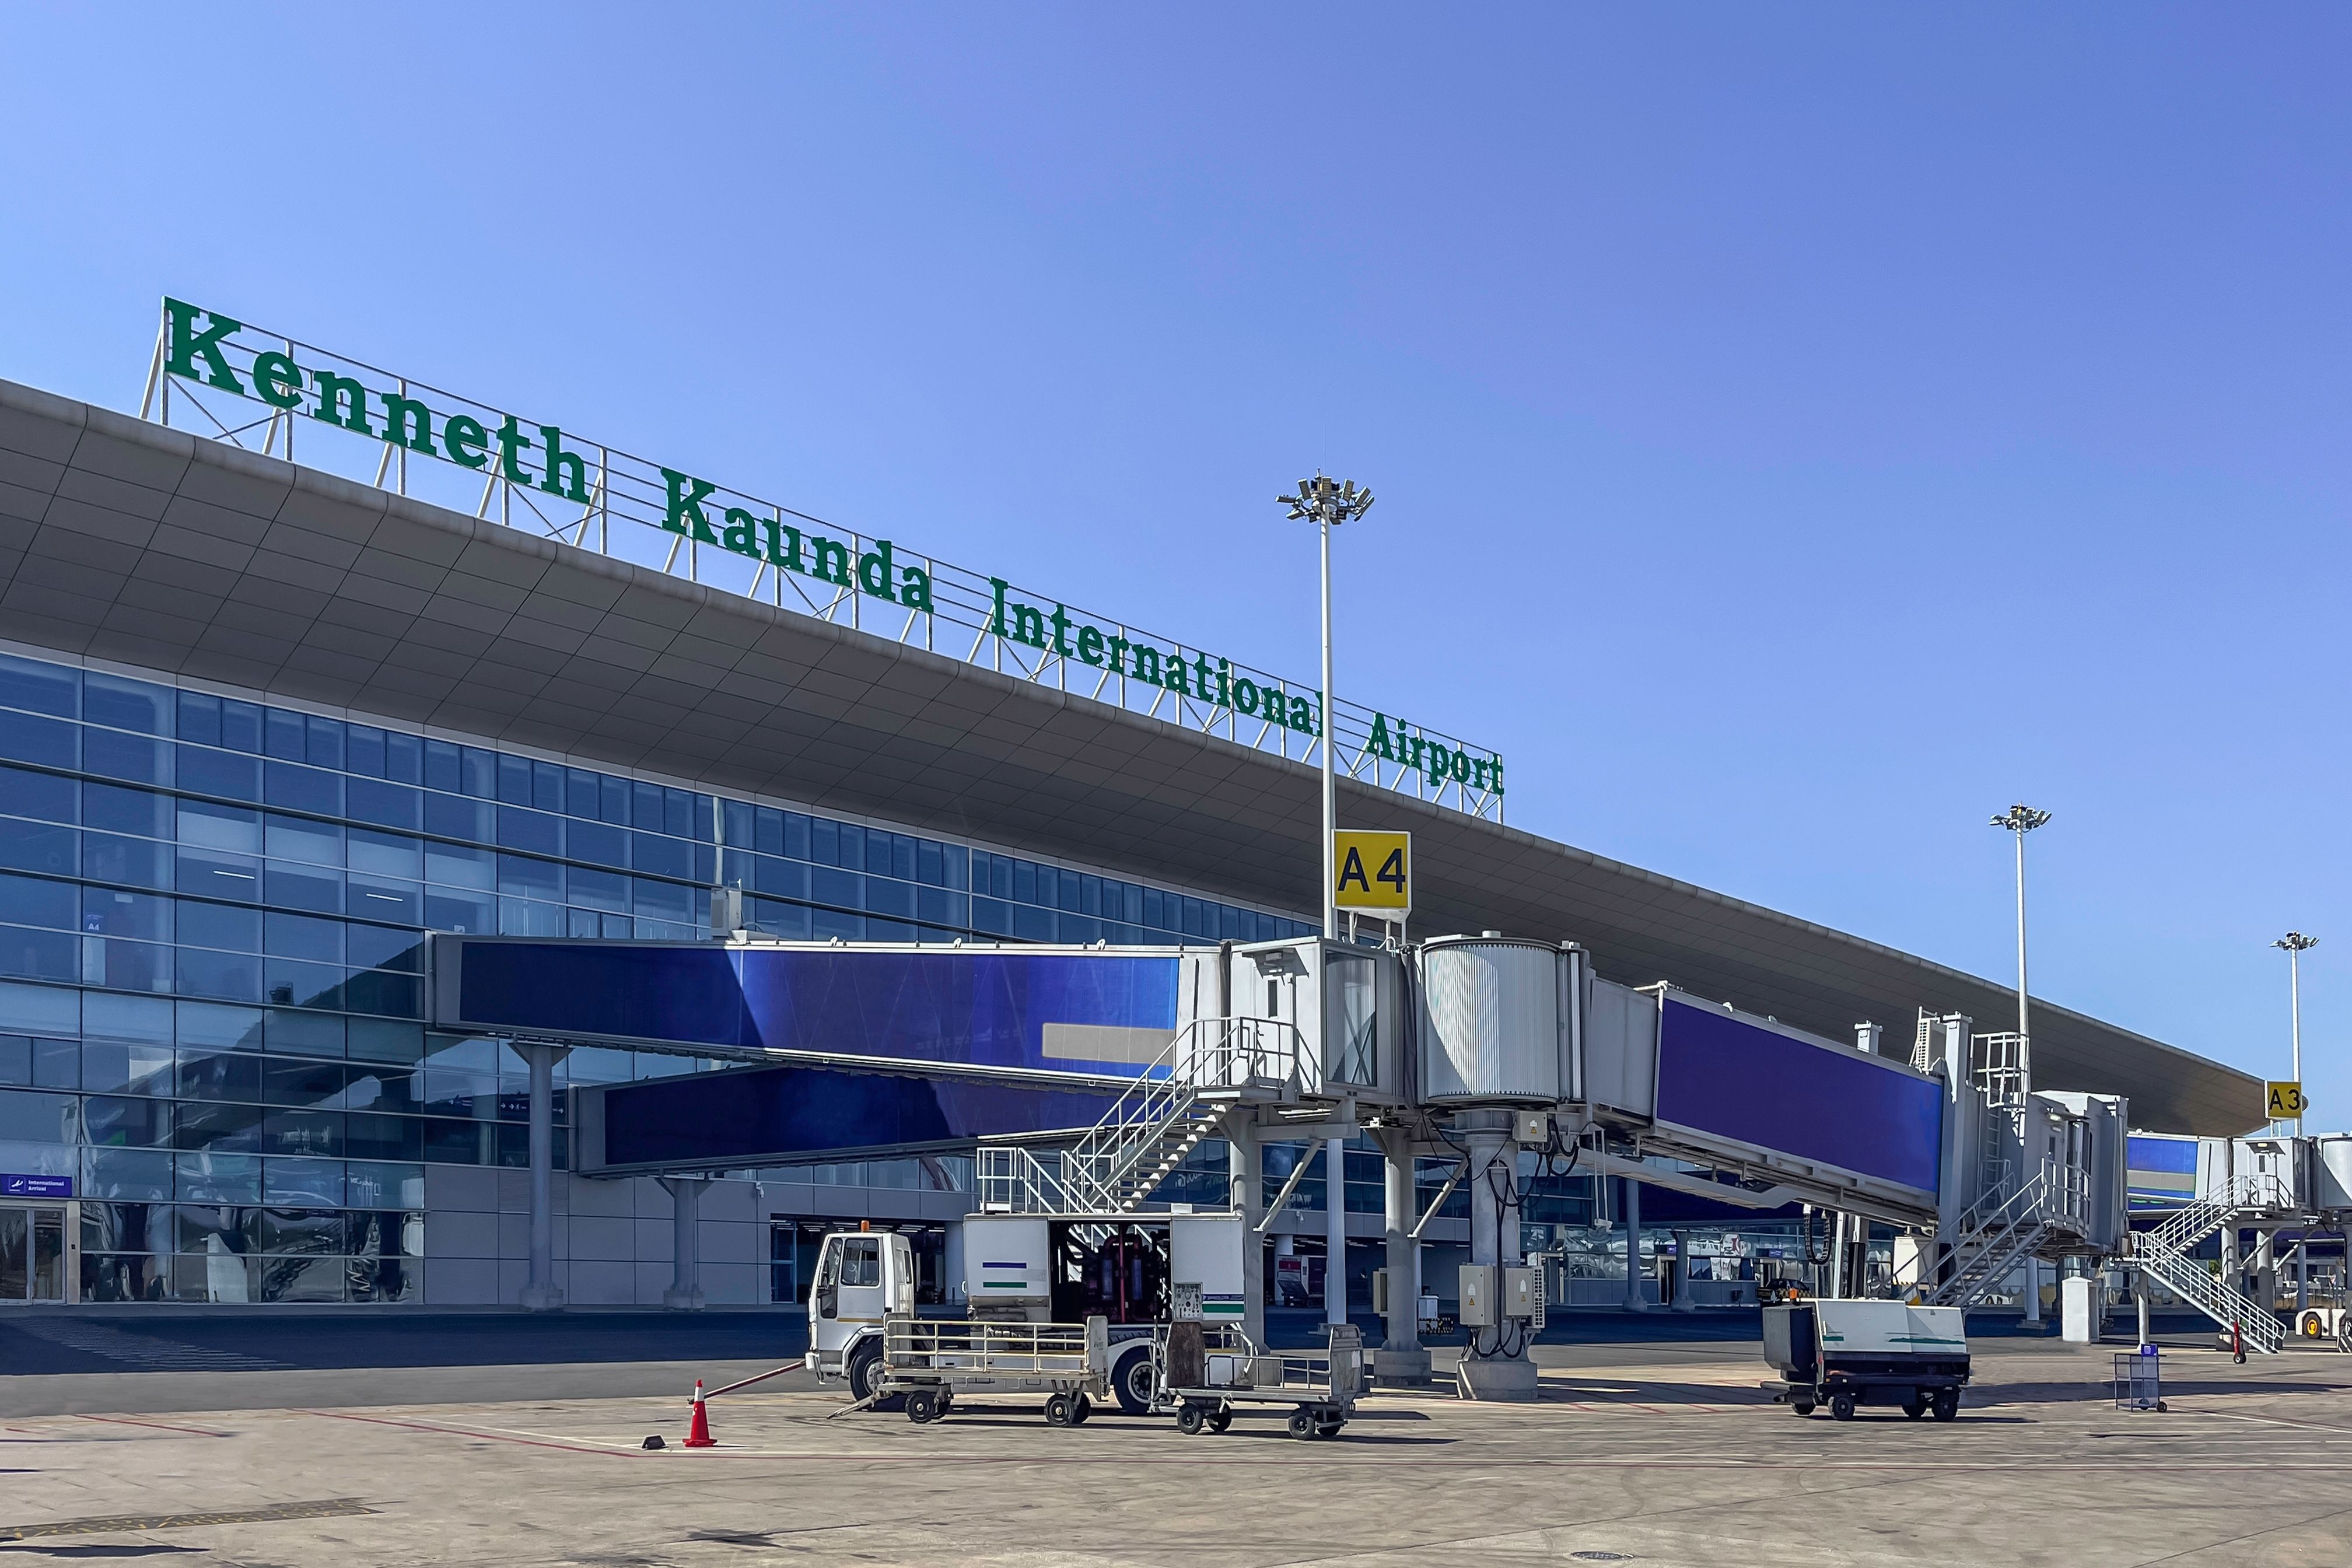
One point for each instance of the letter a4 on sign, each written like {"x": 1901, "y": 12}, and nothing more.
{"x": 1373, "y": 873}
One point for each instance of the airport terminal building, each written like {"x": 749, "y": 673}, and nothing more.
{"x": 266, "y": 722}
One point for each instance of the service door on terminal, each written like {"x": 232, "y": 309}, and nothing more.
{"x": 33, "y": 1253}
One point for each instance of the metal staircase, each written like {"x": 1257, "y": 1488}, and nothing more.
{"x": 1994, "y": 1241}
{"x": 2162, "y": 1254}
{"x": 1180, "y": 1098}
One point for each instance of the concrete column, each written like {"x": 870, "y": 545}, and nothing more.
{"x": 1248, "y": 1200}
{"x": 1401, "y": 1361}
{"x": 1335, "y": 1230}
{"x": 685, "y": 1292}
{"x": 1494, "y": 1242}
{"x": 539, "y": 1295}
{"x": 2139, "y": 1298}
{"x": 2303, "y": 1273}
{"x": 1635, "y": 1301}
{"x": 2031, "y": 1275}
{"x": 1683, "y": 1302}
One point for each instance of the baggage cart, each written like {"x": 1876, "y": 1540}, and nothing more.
{"x": 928, "y": 1363}
{"x": 1207, "y": 1375}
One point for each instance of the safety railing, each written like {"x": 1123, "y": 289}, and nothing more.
{"x": 2192, "y": 1222}
{"x": 1171, "y": 1106}
{"x": 982, "y": 1347}
{"x": 2189, "y": 1279}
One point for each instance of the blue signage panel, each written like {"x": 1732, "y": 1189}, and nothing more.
{"x": 1741, "y": 1082}
{"x": 959, "y": 1008}
{"x": 12, "y": 1187}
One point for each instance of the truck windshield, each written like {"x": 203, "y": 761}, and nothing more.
{"x": 861, "y": 1261}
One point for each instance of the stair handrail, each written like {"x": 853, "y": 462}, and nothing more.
{"x": 1221, "y": 1052}
{"x": 2189, "y": 1279}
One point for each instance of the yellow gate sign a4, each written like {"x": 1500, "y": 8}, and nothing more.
{"x": 2285, "y": 1099}
{"x": 1373, "y": 873}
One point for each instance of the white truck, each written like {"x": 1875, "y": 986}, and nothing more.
{"x": 1127, "y": 1268}
{"x": 1845, "y": 1355}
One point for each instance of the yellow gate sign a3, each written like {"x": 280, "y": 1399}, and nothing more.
{"x": 2286, "y": 1100}
{"x": 1373, "y": 873}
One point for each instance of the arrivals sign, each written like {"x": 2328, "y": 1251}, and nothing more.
{"x": 545, "y": 468}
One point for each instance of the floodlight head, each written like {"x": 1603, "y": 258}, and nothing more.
{"x": 2295, "y": 941}
{"x": 2020, "y": 818}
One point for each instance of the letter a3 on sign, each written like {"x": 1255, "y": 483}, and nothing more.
{"x": 1374, "y": 873}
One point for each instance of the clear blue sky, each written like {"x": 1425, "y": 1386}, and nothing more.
{"x": 1799, "y": 432}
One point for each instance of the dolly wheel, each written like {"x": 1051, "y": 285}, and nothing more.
{"x": 1842, "y": 1407}
{"x": 1802, "y": 1406}
{"x": 1302, "y": 1424}
{"x": 1189, "y": 1419}
{"x": 1221, "y": 1418}
{"x": 1057, "y": 1410}
{"x": 1080, "y": 1408}
{"x": 1947, "y": 1404}
{"x": 1916, "y": 1407}
{"x": 922, "y": 1407}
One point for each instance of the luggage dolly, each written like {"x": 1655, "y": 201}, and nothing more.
{"x": 1205, "y": 1385}
{"x": 929, "y": 1361}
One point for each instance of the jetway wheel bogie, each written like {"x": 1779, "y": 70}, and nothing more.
{"x": 1303, "y": 1425}
{"x": 1221, "y": 1418}
{"x": 1947, "y": 1405}
{"x": 1840, "y": 1406}
{"x": 1191, "y": 1419}
{"x": 924, "y": 1406}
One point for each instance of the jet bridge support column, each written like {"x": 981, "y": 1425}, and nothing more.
{"x": 1401, "y": 1361}
{"x": 1505, "y": 1370}
{"x": 539, "y": 1293}
{"x": 685, "y": 1292}
{"x": 1247, "y": 1198}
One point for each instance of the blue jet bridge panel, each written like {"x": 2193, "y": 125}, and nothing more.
{"x": 1739, "y": 1084}
{"x": 1025, "y": 1011}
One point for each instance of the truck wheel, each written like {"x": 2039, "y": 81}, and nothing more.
{"x": 1057, "y": 1410}
{"x": 1302, "y": 1424}
{"x": 1190, "y": 1420}
{"x": 922, "y": 1407}
{"x": 1842, "y": 1407}
{"x": 1133, "y": 1382}
{"x": 1947, "y": 1404}
{"x": 865, "y": 1370}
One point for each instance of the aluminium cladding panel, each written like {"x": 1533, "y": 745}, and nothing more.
{"x": 1491, "y": 1021}
{"x": 1097, "y": 1012}
{"x": 1621, "y": 1049}
{"x": 760, "y": 1116}
{"x": 2331, "y": 1172}
{"x": 1737, "y": 1084}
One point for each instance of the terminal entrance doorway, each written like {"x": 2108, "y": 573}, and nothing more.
{"x": 32, "y": 1252}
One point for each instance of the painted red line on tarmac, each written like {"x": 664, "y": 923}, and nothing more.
{"x": 159, "y": 1426}
{"x": 469, "y": 1432}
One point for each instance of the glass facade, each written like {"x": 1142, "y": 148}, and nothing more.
{"x": 211, "y": 926}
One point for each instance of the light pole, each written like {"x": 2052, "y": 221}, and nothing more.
{"x": 2022, "y": 819}
{"x": 1328, "y": 503}
{"x": 2296, "y": 945}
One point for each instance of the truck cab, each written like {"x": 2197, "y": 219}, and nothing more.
{"x": 862, "y": 1278}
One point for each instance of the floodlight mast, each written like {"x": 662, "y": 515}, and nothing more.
{"x": 2296, "y": 944}
{"x": 2022, "y": 819}
{"x": 1327, "y": 504}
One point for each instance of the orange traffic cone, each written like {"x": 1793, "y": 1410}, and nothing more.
{"x": 699, "y": 1435}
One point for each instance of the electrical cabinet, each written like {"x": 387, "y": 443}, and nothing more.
{"x": 1477, "y": 1294}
